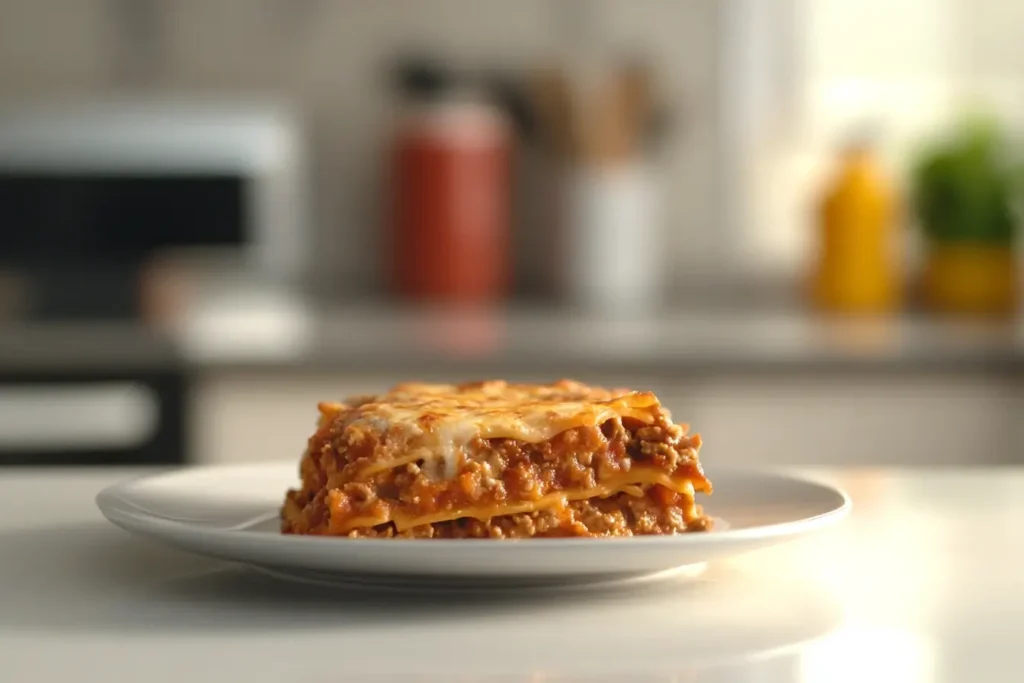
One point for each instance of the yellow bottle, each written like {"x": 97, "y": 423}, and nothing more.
{"x": 857, "y": 268}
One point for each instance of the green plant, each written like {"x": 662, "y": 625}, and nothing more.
{"x": 966, "y": 186}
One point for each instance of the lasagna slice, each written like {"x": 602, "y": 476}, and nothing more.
{"x": 498, "y": 460}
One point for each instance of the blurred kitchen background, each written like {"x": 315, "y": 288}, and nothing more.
{"x": 795, "y": 220}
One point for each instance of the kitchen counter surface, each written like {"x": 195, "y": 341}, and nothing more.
{"x": 287, "y": 336}
{"x": 921, "y": 584}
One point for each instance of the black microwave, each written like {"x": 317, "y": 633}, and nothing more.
{"x": 96, "y": 188}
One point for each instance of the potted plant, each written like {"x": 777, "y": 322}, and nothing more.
{"x": 966, "y": 188}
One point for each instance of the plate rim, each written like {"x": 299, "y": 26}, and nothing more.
{"x": 111, "y": 502}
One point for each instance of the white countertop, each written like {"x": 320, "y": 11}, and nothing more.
{"x": 235, "y": 333}
{"x": 263, "y": 333}
{"x": 924, "y": 583}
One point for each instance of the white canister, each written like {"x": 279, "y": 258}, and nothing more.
{"x": 613, "y": 246}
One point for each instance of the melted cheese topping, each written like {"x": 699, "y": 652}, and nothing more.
{"x": 438, "y": 421}
{"x": 631, "y": 483}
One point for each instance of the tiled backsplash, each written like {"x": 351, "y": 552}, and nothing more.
{"x": 327, "y": 55}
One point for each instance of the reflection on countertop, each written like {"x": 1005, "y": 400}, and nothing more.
{"x": 907, "y": 590}
{"x": 284, "y": 333}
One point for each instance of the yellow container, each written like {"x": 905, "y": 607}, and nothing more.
{"x": 974, "y": 279}
{"x": 857, "y": 267}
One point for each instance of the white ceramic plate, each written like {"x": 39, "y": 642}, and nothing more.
{"x": 230, "y": 512}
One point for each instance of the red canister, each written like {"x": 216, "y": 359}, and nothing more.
{"x": 450, "y": 204}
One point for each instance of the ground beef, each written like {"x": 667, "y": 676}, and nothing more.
{"x": 495, "y": 472}
{"x": 618, "y": 515}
